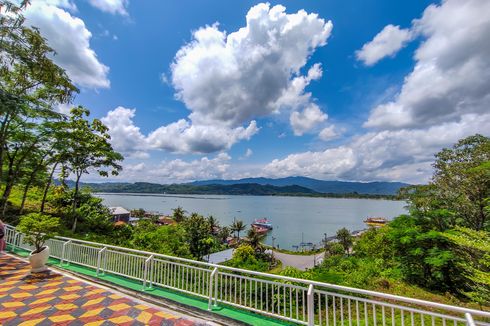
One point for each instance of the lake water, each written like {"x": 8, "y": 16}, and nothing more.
{"x": 293, "y": 218}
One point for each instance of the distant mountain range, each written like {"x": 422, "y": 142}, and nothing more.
{"x": 213, "y": 189}
{"x": 333, "y": 187}
{"x": 293, "y": 186}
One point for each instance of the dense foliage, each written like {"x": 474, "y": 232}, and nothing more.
{"x": 442, "y": 245}
{"x": 36, "y": 141}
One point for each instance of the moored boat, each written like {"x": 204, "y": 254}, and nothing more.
{"x": 260, "y": 229}
{"x": 376, "y": 221}
{"x": 263, "y": 222}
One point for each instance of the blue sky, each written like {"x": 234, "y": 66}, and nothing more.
{"x": 219, "y": 89}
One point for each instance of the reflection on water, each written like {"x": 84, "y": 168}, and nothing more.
{"x": 291, "y": 216}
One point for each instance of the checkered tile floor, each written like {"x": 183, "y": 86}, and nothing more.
{"x": 53, "y": 299}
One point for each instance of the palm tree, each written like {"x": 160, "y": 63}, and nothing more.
{"x": 237, "y": 227}
{"x": 213, "y": 224}
{"x": 223, "y": 234}
{"x": 178, "y": 214}
{"x": 253, "y": 239}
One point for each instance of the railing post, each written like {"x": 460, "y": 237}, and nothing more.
{"x": 469, "y": 319}
{"x": 211, "y": 283}
{"x": 311, "y": 305}
{"x": 14, "y": 241}
{"x": 63, "y": 252}
{"x": 216, "y": 288}
{"x": 99, "y": 257}
{"x": 148, "y": 261}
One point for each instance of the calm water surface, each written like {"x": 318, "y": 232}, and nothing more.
{"x": 292, "y": 217}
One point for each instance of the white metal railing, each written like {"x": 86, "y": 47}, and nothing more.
{"x": 301, "y": 301}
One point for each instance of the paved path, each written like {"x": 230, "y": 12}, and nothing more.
{"x": 298, "y": 261}
{"x": 54, "y": 299}
{"x": 221, "y": 256}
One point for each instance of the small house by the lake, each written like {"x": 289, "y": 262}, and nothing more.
{"x": 119, "y": 214}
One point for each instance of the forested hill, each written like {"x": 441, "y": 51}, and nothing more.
{"x": 238, "y": 189}
{"x": 213, "y": 189}
{"x": 322, "y": 186}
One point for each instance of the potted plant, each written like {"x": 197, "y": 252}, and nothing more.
{"x": 37, "y": 229}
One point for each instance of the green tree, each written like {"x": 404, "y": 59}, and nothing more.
{"x": 198, "y": 236}
{"x": 253, "y": 239}
{"x": 87, "y": 150}
{"x": 345, "y": 239}
{"x": 178, "y": 214}
{"x": 423, "y": 253}
{"x": 168, "y": 239}
{"x": 96, "y": 217}
{"x": 213, "y": 224}
{"x": 463, "y": 181}
{"x": 223, "y": 234}
{"x": 374, "y": 243}
{"x": 245, "y": 257}
{"x": 237, "y": 226}
{"x": 30, "y": 86}
{"x": 38, "y": 228}
{"x": 473, "y": 251}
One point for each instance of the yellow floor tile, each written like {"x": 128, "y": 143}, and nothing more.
{"x": 5, "y": 289}
{"x": 42, "y": 300}
{"x": 66, "y": 306}
{"x": 115, "y": 296}
{"x": 165, "y": 315}
{"x": 121, "y": 319}
{"x": 73, "y": 288}
{"x": 95, "y": 323}
{"x": 61, "y": 318}
{"x": 46, "y": 292}
{"x": 27, "y": 287}
{"x": 35, "y": 310}
{"x": 21, "y": 295}
{"x": 144, "y": 317}
{"x": 32, "y": 322}
{"x": 69, "y": 296}
{"x": 13, "y": 304}
{"x": 92, "y": 302}
{"x": 7, "y": 314}
{"x": 91, "y": 313}
{"x": 141, "y": 307}
{"x": 119, "y": 307}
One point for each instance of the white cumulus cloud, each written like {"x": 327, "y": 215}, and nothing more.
{"x": 111, "y": 6}
{"x": 451, "y": 76}
{"x": 386, "y": 43}
{"x": 184, "y": 137}
{"x": 328, "y": 133}
{"x": 230, "y": 79}
{"x": 125, "y": 136}
{"x": 70, "y": 38}
{"x": 404, "y": 155}
{"x": 307, "y": 119}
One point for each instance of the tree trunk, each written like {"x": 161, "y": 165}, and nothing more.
{"x": 24, "y": 196}
{"x": 46, "y": 189}
{"x": 9, "y": 183}
{"x": 75, "y": 201}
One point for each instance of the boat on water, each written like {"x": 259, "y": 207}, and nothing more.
{"x": 260, "y": 229}
{"x": 376, "y": 221}
{"x": 263, "y": 222}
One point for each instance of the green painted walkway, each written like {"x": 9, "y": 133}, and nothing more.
{"x": 181, "y": 298}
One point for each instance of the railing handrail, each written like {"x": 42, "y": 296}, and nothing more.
{"x": 291, "y": 279}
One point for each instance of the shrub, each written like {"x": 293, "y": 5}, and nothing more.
{"x": 38, "y": 228}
